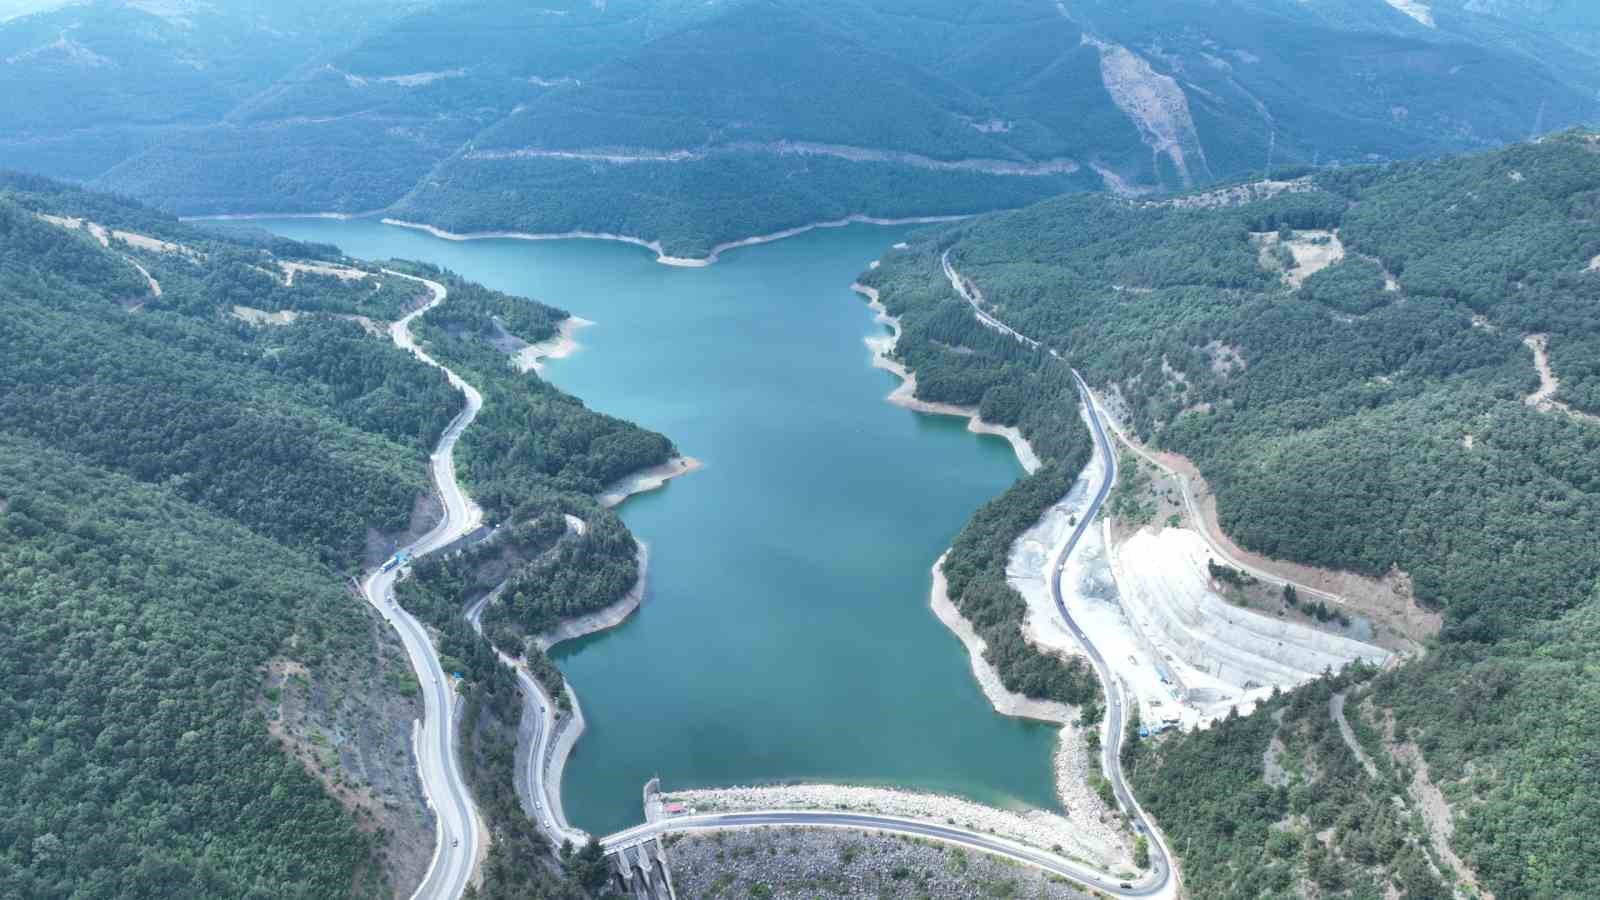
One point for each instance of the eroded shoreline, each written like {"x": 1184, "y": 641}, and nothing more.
{"x": 567, "y": 729}
{"x": 654, "y": 246}
{"x": 640, "y": 482}
{"x": 648, "y": 479}
{"x": 607, "y": 616}
{"x": 1005, "y": 702}
{"x": 905, "y": 395}
{"x": 563, "y": 344}
{"x": 256, "y": 217}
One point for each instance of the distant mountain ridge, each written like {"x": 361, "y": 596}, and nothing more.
{"x": 668, "y": 119}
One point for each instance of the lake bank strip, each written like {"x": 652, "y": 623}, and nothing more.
{"x": 560, "y": 734}
{"x": 1070, "y": 763}
{"x": 905, "y": 395}
{"x": 654, "y": 246}
{"x": 557, "y": 735}
{"x": 642, "y": 481}
{"x": 1004, "y": 702}
{"x": 563, "y": 344}
{"x": 1091, "y": 840}
{"x": 1081, "y": 835}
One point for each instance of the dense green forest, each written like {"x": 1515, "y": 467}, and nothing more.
{"x": 357, "y": 106}
{"x": 1278, "y": 804}
{"x": 136, "y": 621}
{"x": 530, "y": 438}
{"x": 975, "y": 572}
{"x": 533, "y": 456}
{"x": 521, "y": 862}
{"x": 958, "y": 361}
{"x": 695, "y": 204}
{"x": 174, "y": 496}
{"x": 551, "y": 572}
{"x": 264, "y": 425}
{"x": 175, "y": 475}
{"x": 1369, "y": 417}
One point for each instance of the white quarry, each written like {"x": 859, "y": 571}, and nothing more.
{"x": 1147, "y": 602}
{"x": 1209, "y": 652}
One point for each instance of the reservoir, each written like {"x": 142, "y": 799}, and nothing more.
{"x": 785, "y": 634}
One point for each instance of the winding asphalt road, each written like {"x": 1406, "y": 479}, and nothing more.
{"x": 458, "y": 831}
{"x": 1189, "y": 501}
{"x": 539, "y": 708}
{"x": 1116, "y": 705}
{"x": 1160, "y": 877}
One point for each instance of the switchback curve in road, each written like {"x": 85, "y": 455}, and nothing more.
{"x": 542, "y": 797}
{"x": 458, "y": 831}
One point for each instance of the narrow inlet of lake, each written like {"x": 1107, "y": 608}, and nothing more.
{"x": 785, "y": 634}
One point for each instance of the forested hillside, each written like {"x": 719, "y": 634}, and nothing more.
{"x": 135, "y": 623}
{"x": 662, "y": 119}
{"x": 533, "y": 456}
{"x": 177, "y": 497}
{"x": 202, "y": 436}
{"x": 1353, "y": 360}
{"x": 88, "y": 85}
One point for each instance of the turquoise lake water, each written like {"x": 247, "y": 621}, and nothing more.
{"x": 785, "y": 634}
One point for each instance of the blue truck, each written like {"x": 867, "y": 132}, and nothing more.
{"x": 397, "y": 560}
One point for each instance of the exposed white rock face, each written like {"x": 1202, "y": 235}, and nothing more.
{"x": 1416, "y": 9}
{"x": 1156, "y": 105}
{"x": 1166, "y": 591}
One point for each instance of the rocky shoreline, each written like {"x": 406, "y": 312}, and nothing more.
{"x": 654, "y": 246}
{"x": 906, "y": 394}
{"x": 533, "y": 357}
{"x": 605, "y": 617}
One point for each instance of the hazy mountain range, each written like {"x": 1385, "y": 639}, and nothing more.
{"x": 486, "y": 114}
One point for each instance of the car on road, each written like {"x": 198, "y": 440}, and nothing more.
{"x": 455, "y": 842}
